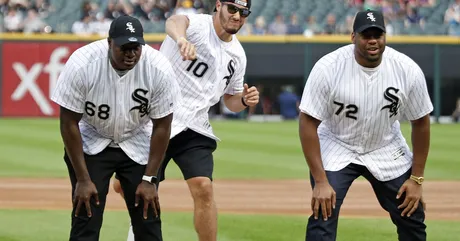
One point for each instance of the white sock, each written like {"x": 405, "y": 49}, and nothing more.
{"x": 130, "y": 233}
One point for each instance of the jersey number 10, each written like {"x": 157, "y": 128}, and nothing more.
{"x": 199, "y": 70}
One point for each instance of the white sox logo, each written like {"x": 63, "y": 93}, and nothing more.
{"x": 231, "y": 71}
{"x": 143, "y": 102}
{"x": 241, "y": 3}
{"x": 130, "y": 27}
{"x": 371, "y": 17}
{"x": 394, "y": 99}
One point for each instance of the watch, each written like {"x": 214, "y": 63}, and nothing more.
{"x": 149, "y": 179}
{"x": 418, "y": 180}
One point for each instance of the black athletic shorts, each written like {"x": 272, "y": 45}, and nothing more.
{"x": 192, "y": 152}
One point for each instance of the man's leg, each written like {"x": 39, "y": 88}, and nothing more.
{"x": 320, "y": 230}
{"x": 100, "y": 169}
{"x": 130, "y": 175}
{"x": 205, "y": 210}
{"x": 117, "y": 188}
{"x": 192, "y": 152}
{"x": 410, "y": 228}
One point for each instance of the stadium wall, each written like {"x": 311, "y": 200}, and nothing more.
{"x": 31, "y": 65}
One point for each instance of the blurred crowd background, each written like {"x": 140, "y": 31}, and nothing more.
{"x": 268, "y": 17}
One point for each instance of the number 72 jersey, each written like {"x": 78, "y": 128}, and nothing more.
{"x": 360, "y": 109}
{"x": 218, "y": 69}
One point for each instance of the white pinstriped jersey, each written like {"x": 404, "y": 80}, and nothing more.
{"x": 219, "y": 68}
{"x": 117, "y": 109}
{"x": 360, "y": 109}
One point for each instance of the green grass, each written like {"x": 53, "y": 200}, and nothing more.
{"x": 54, "y": 226}
{"x": 33, "y": 148}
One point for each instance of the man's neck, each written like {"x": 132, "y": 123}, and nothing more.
{"x": 119, "y": 72}
{"x": 221, "y": 33}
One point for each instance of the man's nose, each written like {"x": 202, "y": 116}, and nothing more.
{"x": 372, "y": 40}
{"x": 130, "y": 52}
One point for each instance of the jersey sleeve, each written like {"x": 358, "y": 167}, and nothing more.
{"x": 70, "y": 91}
{"x": 236, "y": 84}
{"x": 315, "y": 97}
{"x": 165, "y": 96}
{"x": 198, "y": 29}
{"x": 418, "y": 100}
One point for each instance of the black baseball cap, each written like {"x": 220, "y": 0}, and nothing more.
{"x": 126, "y": 29}
{"x": 238, "y": 2}
{"x": 368, "y": 19}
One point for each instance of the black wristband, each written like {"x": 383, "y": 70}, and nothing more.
{"x": 242, "y": 102}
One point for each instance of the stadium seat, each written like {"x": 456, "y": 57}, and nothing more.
{"x": 67, "y": 12}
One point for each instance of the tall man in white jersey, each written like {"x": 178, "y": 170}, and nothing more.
{"x": 349, "y": 127}
{"x": 210, "y": 63}
{"x": 110, "y": 92}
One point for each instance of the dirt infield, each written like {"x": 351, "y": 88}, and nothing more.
{"x": 291, "y": 197}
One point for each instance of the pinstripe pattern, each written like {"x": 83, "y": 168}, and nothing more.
{"x": 89, "y": 76}
{"x": 200, "y": 93}
{"x": 372, "y": 135}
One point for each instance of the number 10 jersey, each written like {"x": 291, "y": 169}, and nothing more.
{"x": 218, "y": 69}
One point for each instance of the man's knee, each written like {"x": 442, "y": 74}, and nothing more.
{"x": 201, "y": 189}
{"x": 117, "y": 186}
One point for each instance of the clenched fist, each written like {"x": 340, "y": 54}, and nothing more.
{"x": 250, "y": 95}
{"x": 187, "y": 49}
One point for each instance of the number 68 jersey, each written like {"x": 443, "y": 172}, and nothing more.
{"x": 218, "y": 69}
{"x": 360, "y": 109}
{"x": 116, "y": 110}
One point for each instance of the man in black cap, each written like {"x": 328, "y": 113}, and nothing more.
{"x": 210, "y": 63}
{"x": 112, "y": 92}
{"x": 349, "y": 126}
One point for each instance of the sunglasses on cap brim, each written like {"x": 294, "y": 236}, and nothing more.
{"x": 232, "y": 9}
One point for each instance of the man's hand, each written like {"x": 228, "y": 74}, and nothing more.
{"x": 84, "y": 190}
{"x": 187, "y": 50}
{"x": 250, "y": 95}
{"x": 148, "y": 192}
{"x": 413, "y": 197}
{"x": 323, "y": 196}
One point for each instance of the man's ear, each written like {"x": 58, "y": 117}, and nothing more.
{"x": 109, "y": 41}
{"x": 218, "y": 5}
{"x": 353, "y": 37}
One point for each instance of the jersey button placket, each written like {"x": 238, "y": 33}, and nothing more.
{"x": 370, "y": 99}
{"x": 365, "y": 134}
{"x": 117, "y": 113}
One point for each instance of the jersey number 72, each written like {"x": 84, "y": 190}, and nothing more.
{"x": 350, "y": 112}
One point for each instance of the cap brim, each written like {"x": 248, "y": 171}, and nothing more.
{"x": 215, "y": 8}
{"x": 365, "y": 27}
{"x": 126, "y": 40}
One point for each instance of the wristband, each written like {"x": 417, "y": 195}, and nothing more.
{"x": 242, "y": 102}
{"x": 180, "y": 38}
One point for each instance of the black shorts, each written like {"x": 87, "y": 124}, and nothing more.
{"x": 192, "y": 152}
